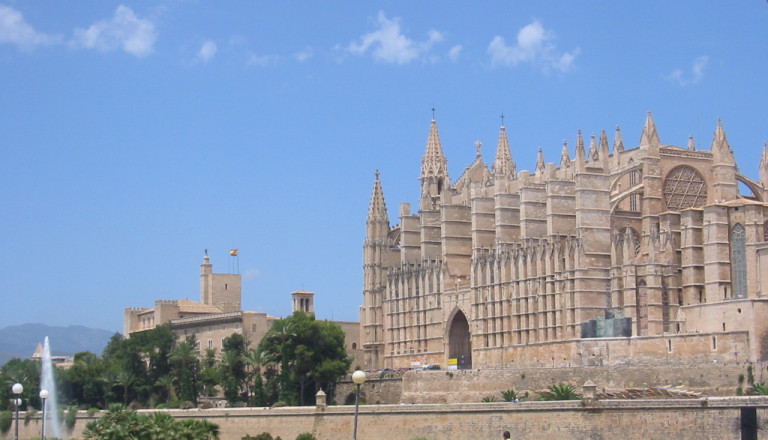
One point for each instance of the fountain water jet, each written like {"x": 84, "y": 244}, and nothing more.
{"x": 47, "y": 382}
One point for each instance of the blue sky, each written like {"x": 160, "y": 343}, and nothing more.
{"x": 136, "y": 135}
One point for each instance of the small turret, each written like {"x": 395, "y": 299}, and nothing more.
{"x": 721, "y": 150}
{"x": 603, "y": 150}
{"x": 691, "y": 144}
{"x": 565, "y": 159}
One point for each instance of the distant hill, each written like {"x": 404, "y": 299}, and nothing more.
{"x": 20, "y": 341}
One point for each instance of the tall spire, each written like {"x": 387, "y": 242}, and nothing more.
{"x": 650, "y": 136}
{"x": 618, "y": 144}
{"x": 691, "y": 144}
{"x": 434, "y": 163}
{"x": 377, "y": 210}
{"x": 503, "y": 165}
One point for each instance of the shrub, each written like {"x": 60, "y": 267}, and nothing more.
{"x": 6, "y": 419}
{"x": 262, "y": 436}
{"x": 305, "y": 436}
{"x": 91, "y": 411}
{"x": 71, "y": 417}
{"x": 561, "y": 391}
{"x": 759, "y": 389}
{"x": 510, "y": 396}
{"x": 489, "y": 399}
{"x": 30, "y": 413}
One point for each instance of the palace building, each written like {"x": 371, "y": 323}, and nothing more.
{"x": 614, "y": 256}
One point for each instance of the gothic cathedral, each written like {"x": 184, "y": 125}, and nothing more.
{"x": 641, "y": 255}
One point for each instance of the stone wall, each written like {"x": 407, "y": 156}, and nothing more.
{"x": 468, "y": 386}
{"x": 696, "y": 419}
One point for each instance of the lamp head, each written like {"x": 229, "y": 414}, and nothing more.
{"x": 17, "y": 388}
{"x": 43, "y": 394}
{"x": 359, "y": 377}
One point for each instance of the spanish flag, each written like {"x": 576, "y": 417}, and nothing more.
{"x": 233, "y": 252}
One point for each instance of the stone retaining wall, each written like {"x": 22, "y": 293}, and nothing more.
{"x": 696, "y": 419}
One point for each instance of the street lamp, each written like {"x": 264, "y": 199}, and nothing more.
{"x": 17, "y": 389}
{"x": 358, "y": 377}
{"x": 43, "y": 396}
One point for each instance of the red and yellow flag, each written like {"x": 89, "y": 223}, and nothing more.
{"x": 233, "y": 252}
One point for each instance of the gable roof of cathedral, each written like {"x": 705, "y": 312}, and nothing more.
{"x": 434, "y": 163}
{"x": 503, "y": 165}
{"x": 377, "y": 210}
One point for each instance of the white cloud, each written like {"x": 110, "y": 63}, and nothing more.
{"x": 123, "y": 31}
{"x": 15, "y": 30}
{"x": 304, "y": 54}
{"x": 535, "y": 45}
{"x": 697, "y": 72}
{"x": 262, "y": 60}
{"x": 388, "y": 44}
{"x": 207, "y": 51}
{"x": 454, "y": 53}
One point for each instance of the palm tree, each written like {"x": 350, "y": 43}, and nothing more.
{"x": 561, "y": 391}
{"x": 124, "y": 379}
{"x": 184, "y": 357}
{"x": 168, "y": 383}
{"x": 278, "y": 335}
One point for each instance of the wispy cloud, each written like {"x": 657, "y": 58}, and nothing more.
{"x": 535, "y": 45}
{"x": 262, "y": 60}
{"x": 15, "y": 30}
{"x": 304, "y": 55}
{"x": 454, "y": 52}
{"x": 697, "y": 72}
{"x": 388, "y": 44}
{"x": 124, "y": 30}
{"x": 207, "y": 51}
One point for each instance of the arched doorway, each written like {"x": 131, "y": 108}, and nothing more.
{"x": 459, "y": 345}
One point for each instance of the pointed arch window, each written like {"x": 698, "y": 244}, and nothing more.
{"x": 739, "y": 261}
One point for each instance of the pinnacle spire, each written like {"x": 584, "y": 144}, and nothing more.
{"x": 618, "y": 144}
{"x": 650, "y": 136}
{"x": 434, "y": 163}
{"x": 593, "y": 154}
{"x": 580, "y": 153}
{"x": 565, "y": 159}
{"x": 720, "y": 147}
{"x": 540, "y": 163}
{"x": 503, "y": 165}
{"x": 377, "y": 210}
{"x": 691, "y": 144}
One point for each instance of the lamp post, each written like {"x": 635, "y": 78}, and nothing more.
{"x": 358, "y": 377}
{"x": 17, "y": 389}
{"x": 43, "y": 396}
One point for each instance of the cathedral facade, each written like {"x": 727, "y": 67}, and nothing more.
{"x": 641, "y": 255}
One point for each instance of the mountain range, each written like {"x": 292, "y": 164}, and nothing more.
{"x": 20, "y": 341}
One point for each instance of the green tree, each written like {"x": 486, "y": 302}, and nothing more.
{"x": 311, "y": 355}
{"x": 83, "y": 380}
{"x": 186, "y": 367}
{"x": 232, "y": 368}
{"x": 119, "y": 423}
